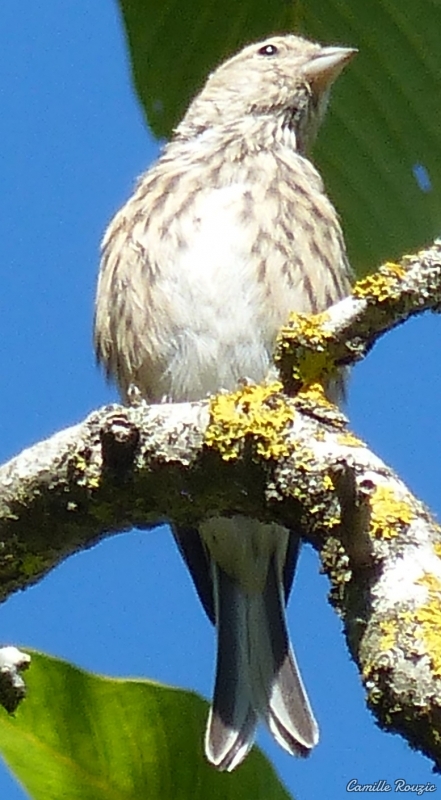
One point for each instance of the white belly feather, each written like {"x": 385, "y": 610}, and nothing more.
{"x": 218, "y": 331}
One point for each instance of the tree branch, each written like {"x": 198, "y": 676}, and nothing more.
{"x": 313, "y": 346}
{"x": 261, "y": 453}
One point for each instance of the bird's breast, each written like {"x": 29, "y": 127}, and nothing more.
{"x": 213, "y": 267}
{"x": 218, "y": 310}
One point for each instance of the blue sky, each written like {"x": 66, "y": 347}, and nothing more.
{"x": 72, "y": 142}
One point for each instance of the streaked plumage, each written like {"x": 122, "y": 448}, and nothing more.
{"x": 225, "y": 235}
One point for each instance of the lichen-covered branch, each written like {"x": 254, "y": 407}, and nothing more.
{"x": 313, "y": 346}
{"x": 118, "y": 469}
{"x": 262, "y": 453}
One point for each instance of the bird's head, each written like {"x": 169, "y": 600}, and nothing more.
{"x": 285, "y": 79}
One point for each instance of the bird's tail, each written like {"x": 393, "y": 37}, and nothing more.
{"x": 256, "y": 675}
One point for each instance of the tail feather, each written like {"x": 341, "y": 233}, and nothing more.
{"x": 243, "y": 572}
{"x": 232, "y": 720}
{"x": 289, "y": 715}
{"x": 282, "y": 701}
{"x": 256, "y": 676}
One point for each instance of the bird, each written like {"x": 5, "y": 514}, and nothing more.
{"x": 225, "y": 235}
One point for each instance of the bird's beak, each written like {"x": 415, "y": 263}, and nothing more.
{"x": 322, "y": 70}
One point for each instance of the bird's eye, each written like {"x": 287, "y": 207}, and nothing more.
{"x": 268, "y": 50}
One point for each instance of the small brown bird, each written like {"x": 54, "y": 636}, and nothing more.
{"x": 225, "y": 235}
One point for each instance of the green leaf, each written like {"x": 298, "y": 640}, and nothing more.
{"x": 385, "y": 117}
{"x": 79, "y": 736}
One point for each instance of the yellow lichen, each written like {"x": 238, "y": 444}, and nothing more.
{"x": 388, "y": 634}
{"x": 315, "y": 393}
{"x": 307, "y": 337}
{"x": 389, "y": 513}
{"x": 437, "y": 549}
{"x": 349, "y": 440}
{"x": 312, "y": 366}
{"x": 393, "y": 269}
{"x": 429, "y": 618}
{"x": 381, "y": 285}
{"x": 85, "y": 477}
{"x": 305, "y": 458}
{"x": 305, "y": 328}
{"x": 330, "y": 523}
{"x": 259, "y": 413}
{"x": 389, "y": 631}
{"x": 328, "y": 483}
{"x": 80, "y": 463}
